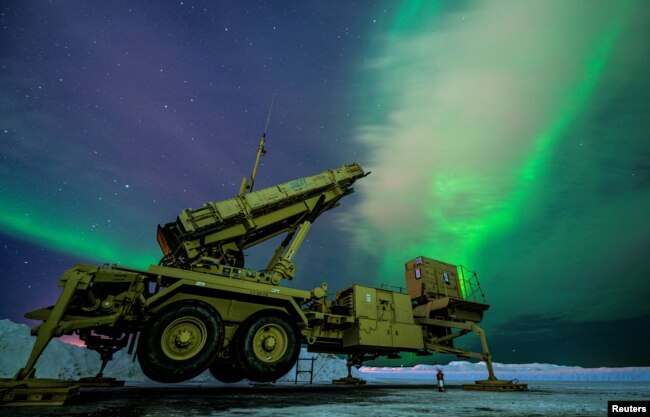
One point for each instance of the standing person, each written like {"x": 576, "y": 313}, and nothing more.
{"x": 441, "y": 380}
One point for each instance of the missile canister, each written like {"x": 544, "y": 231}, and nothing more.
{"x": 222, "y": 230}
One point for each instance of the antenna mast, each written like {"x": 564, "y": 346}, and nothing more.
{"x": 245, "y": 186}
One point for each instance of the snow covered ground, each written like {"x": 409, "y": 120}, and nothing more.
{"x": 374, "y": 400}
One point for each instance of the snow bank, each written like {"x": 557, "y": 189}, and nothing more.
{"x": 65, "y": 361}
{"x": 60, "y": 360}
{"x": 467, "y": 371}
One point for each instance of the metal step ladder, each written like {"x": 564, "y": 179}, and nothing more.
{"x": 309, "y": 371}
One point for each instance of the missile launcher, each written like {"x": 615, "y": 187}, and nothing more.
{"x": 202, "y": 308}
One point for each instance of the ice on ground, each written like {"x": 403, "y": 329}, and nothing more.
{"x": 64, "y": 361}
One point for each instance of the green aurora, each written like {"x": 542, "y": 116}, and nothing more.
{"x": 473, "y": 233}
{"x": 471, "y": 186}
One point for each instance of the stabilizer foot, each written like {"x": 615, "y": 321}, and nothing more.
{"x": 36, "y": 392}
{"x": 496, "y": 385}
{"x": 99, "y": 382}
{"x": 349, "y": 380}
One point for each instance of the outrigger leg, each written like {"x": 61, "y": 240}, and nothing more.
{"x": 353, "y": 359}
{"x": 24, "y": 388}
{"x": 492, "y": 383}
{"x": 106, "y": 354}
{"x": 439, "y": 344}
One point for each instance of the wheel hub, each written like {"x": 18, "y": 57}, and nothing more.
{"x": 270, "y": 343}
{"x": 184, "y": 338}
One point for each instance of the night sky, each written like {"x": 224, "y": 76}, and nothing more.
{"x": 509, "y": 137}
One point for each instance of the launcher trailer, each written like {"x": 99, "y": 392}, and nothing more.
{"x": 202, "y": 308}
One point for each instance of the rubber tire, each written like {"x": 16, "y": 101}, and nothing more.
{"x": 227, "y": 371}
{"x": 157, "y": 365}
{"x": 254, "y": 368}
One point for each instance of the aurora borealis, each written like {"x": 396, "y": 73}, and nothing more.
{"x": 521, "y": 175}
{"x": 508, "y": 137}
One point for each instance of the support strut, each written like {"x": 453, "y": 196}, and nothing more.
{"x": 437, "y": 344}
{"x": 353, "y": 359}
